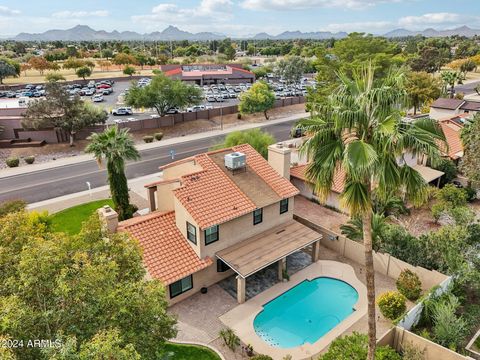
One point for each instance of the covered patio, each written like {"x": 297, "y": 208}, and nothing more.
{"x": 272, "y": 246}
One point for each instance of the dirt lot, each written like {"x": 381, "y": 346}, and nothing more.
{"x": 51, "y": 152}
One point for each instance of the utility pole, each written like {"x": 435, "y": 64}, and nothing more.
{"x": 221, "y": 117}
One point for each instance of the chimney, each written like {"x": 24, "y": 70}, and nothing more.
{"x": 109, "y": 218}
{"x": 279, "y": 158}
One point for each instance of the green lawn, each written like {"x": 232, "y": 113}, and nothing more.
{"x": 70, "y": 220}
{"x": 190, "y": 352}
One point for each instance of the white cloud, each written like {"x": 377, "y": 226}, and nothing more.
{"x": 207, "y": 11}
{"x": 6, "y": 11}
{"x": 309, "y": 4}
{"x": 67, "y": 14}
{"x": 431, "y": 19}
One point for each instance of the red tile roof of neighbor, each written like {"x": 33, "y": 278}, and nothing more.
{"x": 173, "y": 72}
{"x": 338, "y": 184}
{"x": 452, "y": 130}
{"x": 166, "y": 253}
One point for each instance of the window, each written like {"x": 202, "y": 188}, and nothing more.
{"x": 181, "y": 286}
{"x": 221, "y": 266}
{"x": 191, "y": 233}
{"x": 257, "y": 216}
{"x": 211, "y": 234}
{"x": 283, "y": 206}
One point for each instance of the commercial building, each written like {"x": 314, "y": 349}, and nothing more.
{"x": 207, "y": 74}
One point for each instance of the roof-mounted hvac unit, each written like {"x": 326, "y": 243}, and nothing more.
{"x": 235, "y": 161}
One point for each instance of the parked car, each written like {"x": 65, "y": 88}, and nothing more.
{"x": 97, "y": 98}
{"x": 173, "y": 111}
{"x": 122, "y": 111}
{"x": 196, "y": 108}
{"x": 103, "y": 86}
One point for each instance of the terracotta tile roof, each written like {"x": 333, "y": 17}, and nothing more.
{"x": 450, "y": 104}
{"x": 166, "y": 253}
{"x": 242, "y": 70}
{"x": 159, "y": 182}
{"x": 279, "y": 184}
{"x": 210, "y": 197}
{"x": 452, "y": 130}
{"x": 338, "y": 178}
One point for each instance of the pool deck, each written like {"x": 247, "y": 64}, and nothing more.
{"x": 241, "y": 318}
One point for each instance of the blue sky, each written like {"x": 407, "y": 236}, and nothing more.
{"x": 238, "y": 17}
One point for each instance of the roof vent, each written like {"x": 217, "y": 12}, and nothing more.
{"x": 235, "y": 161}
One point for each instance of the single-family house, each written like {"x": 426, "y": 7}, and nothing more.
{"x": 444, "y": 108}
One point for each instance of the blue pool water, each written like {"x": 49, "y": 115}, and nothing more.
{"x": 305, "y": 313}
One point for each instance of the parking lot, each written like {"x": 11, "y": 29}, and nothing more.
{"x": 110, "y": 96}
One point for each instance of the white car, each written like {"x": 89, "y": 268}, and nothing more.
{"x": 97, "y": 98}
{"x": 122, "y": 111}
{"x": 196, "y": 108}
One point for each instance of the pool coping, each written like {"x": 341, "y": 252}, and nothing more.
{"x": 241, "y": 318}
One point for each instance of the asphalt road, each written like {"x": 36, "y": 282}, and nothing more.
{"x": 68, "y": 179}
{"x": 467, "y": 89}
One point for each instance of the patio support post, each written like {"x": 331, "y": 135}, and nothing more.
{"x": 315, "y": 251}
{"x": 282, "y": 265}
{"x": 241, "y": 288}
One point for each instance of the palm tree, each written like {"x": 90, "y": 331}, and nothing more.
{"x": 450, "y": 78}
{"x": 360, "y": 129}
{"x": 353, "y": 229}
{"x": 115, "y": 146}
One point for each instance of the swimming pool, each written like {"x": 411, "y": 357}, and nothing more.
{"x": 305, "y": 313}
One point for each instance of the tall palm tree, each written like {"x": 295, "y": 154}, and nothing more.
{"x": 360, "y": 129}
{"x": 115, "y": 146}
{"x": 450, "y": 78}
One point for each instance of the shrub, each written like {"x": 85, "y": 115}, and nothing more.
{"x": 262, "y": 357}
{"x": 386, "y": 353}
{"x": 392, "y": 304}
{"x": 12, "y": 206}
{"x": 230, "y": 338}
{"x": 355, "y": 347}
{"x": 471, "y": 193}
{"x": 158, "y": 136}
{"x": 411, "y": 352}
{"x": 12, "y": 162}
{"x": 449, "y": 168}
{"x": 449, "y": 329}
{"x": 409, "y": 284}
{"x": 29, "y": 159}
{"x": 148, "y": 139}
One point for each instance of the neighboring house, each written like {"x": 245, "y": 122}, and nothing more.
{"x": 220, "y": 213}
{"x": 298, "y": 177}
{"x": 446, "y": 108}
{"x": 452, "y": 129}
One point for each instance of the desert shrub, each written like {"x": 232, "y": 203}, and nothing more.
{"x": 355, "y": 347}
{"x": 448, "y": 329}
{"x": 411, "y": 352}
{"x": 262, "y": 357}
{"x": 11, "y": 206}
{"x": 29, "y": 159}
{"x": 392, "y": 304}
{"x": 158, "y": 136}
{"x": 386, "y": 353}
{"x": 148, "y": 139}
{"x": 471, "y": 193}
{"x": 12, "y": 162}
{"x": 230, "y": 338}
{"x": 449, "y": 168}
{"x": 409, "y": 284}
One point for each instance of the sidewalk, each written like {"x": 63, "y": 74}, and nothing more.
{"x": 138, "y": 196}
{"x": 158, "y": 144}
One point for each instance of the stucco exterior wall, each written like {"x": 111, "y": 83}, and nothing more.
{"x": 440, "y": 114}
{"x": 333, "y": 199}
{"x": 183, "y": 168}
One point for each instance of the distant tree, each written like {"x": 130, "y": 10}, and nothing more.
{"x": 107, "y": 53}
{"x": 291, "y": 69}
{"x": 259, "y": 98}
{"x": 163, "y": 94}
{"x": 115, "y": 146}
{"x": 52, "y": 77}
{"x": 421, "y": 87}
{"x": 129, "y": 70}
{"x": 141, "y": 60}
{"x": 40, "y": 64}
{"x": 7, "y": 69}
{"x": 73, "y": 63}
{"x": 104, "y": 64}
{"x": 59, "y": 110}
{"x": 24, "y": 67}
{"x": 83, "y": 72}
{"x": 429, "y": 59}
{"x": 258, "y": 139}
{"x": 230, "y": 52}
{"x": 124, "y": 59}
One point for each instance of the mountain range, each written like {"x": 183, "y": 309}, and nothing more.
{"x": 172, "y": 33}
